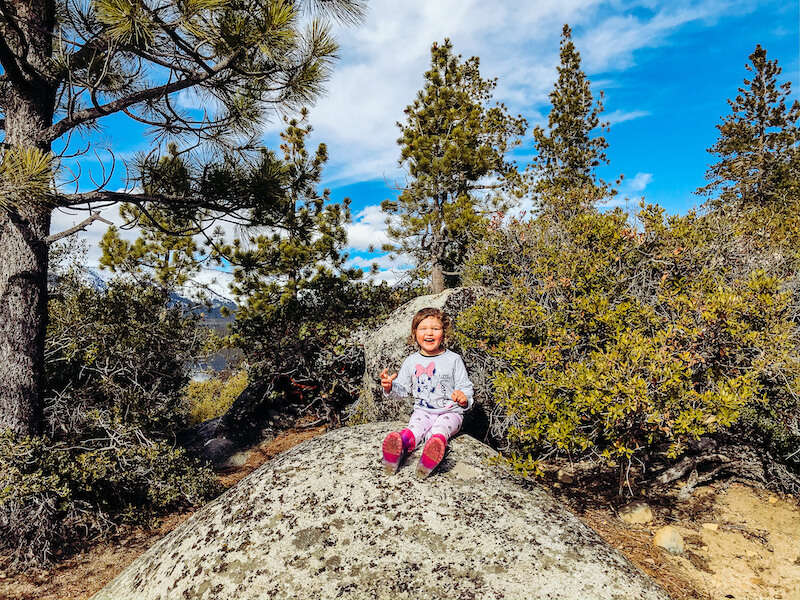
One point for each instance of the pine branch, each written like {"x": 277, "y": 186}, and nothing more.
{"x": 79, "y": 227}
{"x": 90, "y": 114}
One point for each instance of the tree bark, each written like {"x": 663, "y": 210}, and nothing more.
{"x": 29, "y": 104}
{"x": 437, "y": 249}
{"x": 23, "y": 318}
{"x": 437, "y": 277}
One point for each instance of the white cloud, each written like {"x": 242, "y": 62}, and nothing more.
{"x": 383, "y": 62}
{"x": 638, "y": 182}
{"x": 368, "y": 229}
{"x": 620, "y": 116}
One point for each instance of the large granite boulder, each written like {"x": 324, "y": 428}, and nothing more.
{"x": 323, "y": 521}
{"x": 389, "y": 345}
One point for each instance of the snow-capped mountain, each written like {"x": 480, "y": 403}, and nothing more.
{"x": 209, "y": 286}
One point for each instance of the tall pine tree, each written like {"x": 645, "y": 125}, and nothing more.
{"x": 570, "y": 149}
{"x": 301, "y": 233}
{"x": 68, "y": 66}
{"x": 759, "y": 158}
{"x": 454, "y": 146}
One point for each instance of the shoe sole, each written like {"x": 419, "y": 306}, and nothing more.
{"x": 432, "y": 453}
{"x": 392, "y": 453}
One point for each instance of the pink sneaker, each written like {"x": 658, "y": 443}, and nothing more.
{"x": 432, "y": 455}
{"x": 393, "y": 452}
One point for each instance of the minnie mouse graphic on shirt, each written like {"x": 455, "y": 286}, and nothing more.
{"x": 427, "y": 383}
{"x": 432, "y": 386}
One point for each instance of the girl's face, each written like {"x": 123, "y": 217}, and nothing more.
{"x": 429, "y": 335}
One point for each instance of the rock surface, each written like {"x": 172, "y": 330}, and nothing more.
{"x": 670, "y": 539}
{"x": 636, "y": 512}
{"x": 323, "y": 521}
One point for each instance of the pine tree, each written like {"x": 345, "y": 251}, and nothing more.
{"x": 570, "y": 150}
{"x": 300, "y": 234}
{"x": 166, "y": 254}
{"x": 453, "y": 146}
{"x": 758, "y": 143}
{"x": 67, "y": 66}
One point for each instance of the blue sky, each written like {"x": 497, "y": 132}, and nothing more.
{"x": 667, "y": 69}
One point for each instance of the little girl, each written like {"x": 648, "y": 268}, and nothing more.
{"x": 438, "y": 381}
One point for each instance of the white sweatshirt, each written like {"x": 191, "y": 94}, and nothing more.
{"x": 432, "y": 381}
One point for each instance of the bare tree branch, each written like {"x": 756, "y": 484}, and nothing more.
{"x": 79, "y": 227}
{"x": 82, "y": 116}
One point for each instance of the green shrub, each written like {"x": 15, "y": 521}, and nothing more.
{"x": 213, "y": 397}
{"x": 308, "y": 338}
{"x": 123, "y": 349}
{"x": 613, "y": 341}
{"x": 56, "y": 494}
{"x": 116, "y": 364}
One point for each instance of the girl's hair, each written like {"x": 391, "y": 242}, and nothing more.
{"x": 430, "y": 312}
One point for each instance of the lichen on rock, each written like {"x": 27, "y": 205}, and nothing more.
{"x": 323, "y": 521}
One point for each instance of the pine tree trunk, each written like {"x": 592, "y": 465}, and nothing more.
{"x": 23, "y": 306}
{"x": 29, "y": 101}
{"x": 437, "y": 277}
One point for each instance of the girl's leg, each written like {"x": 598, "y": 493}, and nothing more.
{"x": 448, "y": 424}
{"x": 445, "y": 427}
{"x": 396, "y": 446}
{"x": 419, "y": 425}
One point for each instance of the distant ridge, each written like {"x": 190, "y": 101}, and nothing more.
{"x": 208, "y": 286}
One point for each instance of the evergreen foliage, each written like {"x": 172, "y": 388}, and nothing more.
{"x": 571, "y": 149}
{"x": 758, "y": 146}
{"x": 122, "y": 349}
{"x": 116, "y": 369}
{"x": 454, "y": 146}
{"x": 166, "y": 253}
{"x": 68, "y": 66}
{"x": 296, "y": 236}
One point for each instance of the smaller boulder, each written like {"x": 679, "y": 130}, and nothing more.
{"x": 564, "y": 477}
{"x": 669, "y": 539}
{"x": 218, "y": 451}
{"x": 636, "y": 512}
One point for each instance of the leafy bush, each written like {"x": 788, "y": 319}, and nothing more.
{"x": 212, "y": 397}
{"x": 612, "y": 341}
{"x": 115, "y": 370}
{"x": 56, "y": 494}
{"x": 308, "y": 339}
{"x": 123, "y": 349}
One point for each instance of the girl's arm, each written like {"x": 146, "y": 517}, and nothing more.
{"x": 397, "y": 385}
{"x": 463, "y": 386}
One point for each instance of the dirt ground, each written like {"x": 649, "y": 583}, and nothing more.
{"x": 741, "y": 542}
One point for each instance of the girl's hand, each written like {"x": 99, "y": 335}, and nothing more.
{"x": 460, "y": 398}
{"x": 386, "y": 380}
